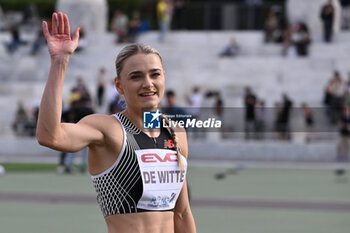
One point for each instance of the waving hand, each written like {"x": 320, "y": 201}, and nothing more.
{"x": 60, "y": 42}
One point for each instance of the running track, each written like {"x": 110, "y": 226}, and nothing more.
{"x": 197, "y": 202}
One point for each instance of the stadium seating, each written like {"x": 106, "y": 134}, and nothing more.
{"x": 190, "y": 57}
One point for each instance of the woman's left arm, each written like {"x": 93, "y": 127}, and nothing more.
{"x": 183, "y": 219}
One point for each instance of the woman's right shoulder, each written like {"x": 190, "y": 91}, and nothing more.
{"x": 107, "y": 124}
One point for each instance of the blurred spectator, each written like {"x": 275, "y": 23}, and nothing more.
{"x": 278, "y": 111}
{"x": 343, "y": 143}
{"x": 219, "y": 111}
{"x": 283, "y": 117}
{"x": 219, "y": 105}
{"x": 171, "y": 109}
{"x": 120, "y": 26}
{"x": 327, "y": 101}
{"x": 15, "y": 42}
{"x": 116, "y": 105}
{"x": 308, "y": 117}
{"x": 112, "y": 92}
{"x": 297, "y": 38}
{"x": 164, "y": 13}
{"x": 345, "y": 14}
{"x": 288, "y": 49}
{"x": 74, "y": 96}
{"x": 79, "y": 94}
{"x": 179, "y": 14}
{"x": 35, "y": 116}
{"x": 145, "y": 26}
{"x": 83, "y": 43}
{"x": 25, "y": 121}
{"x": 337, "y": 90}
{"x": 348, "y": 83}
{"x": 250, "y": 123}
{"x": 260, "y": 119}
{"x": 82, "y": 88}
{"x": 308, "y": 126}
{"x": 31, "y": 15}
{"x": 301, "y": 38}
{"x": 79, "y": 109}
{"x": 20, "y": 122}
{"x": 38, "y": 43}
{"x": 116, "y": 102}
{"x": 134, "y": 27}
{"x": 230, "y": 50}
{"x": 347, "y": 91}
{"x": 272, "y": 28}
{"x": 218, "y": 102}
{"x": 194, "y": 101}
{"x": 101, "y": 83}
{"x": 327, "y": 16}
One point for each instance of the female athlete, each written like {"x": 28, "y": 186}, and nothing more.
{"x": 138, "y": 174}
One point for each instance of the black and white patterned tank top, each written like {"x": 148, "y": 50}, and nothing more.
{"x": 145, "y": 177}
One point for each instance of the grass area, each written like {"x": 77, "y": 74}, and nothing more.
{"x": 29, "y": 167}
{"x": 32, "y": 167}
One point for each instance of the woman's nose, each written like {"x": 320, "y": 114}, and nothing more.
{"x": 147, "y": 82}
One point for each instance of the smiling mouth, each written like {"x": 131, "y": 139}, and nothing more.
{"x": 148, "y": 94}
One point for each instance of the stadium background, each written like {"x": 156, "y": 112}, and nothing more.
{"x": 236, "y": 185}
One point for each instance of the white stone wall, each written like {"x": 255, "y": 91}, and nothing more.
{"x": 309, "y": 11}
{"x": 91, "y": 15}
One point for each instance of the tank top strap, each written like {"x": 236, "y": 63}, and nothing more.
{"x": 127, "y": 124}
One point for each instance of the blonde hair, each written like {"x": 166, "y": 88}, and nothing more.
{"x": 131, "y": 50}
{"x": 134, "y": 49}
{"x": 172, "y": 132}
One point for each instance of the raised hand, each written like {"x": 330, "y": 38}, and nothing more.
{"x": 60, "y": 42}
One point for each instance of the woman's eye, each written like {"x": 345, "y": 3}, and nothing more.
{"x": 155, "y": 75}
{"x": 135, "y": 76}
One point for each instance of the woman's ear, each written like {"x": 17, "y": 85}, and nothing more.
{"x": 118, "y": 86}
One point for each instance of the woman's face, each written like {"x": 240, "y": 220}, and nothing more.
{"x": 141, "y": 81}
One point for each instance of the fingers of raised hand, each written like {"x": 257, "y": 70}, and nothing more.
{"x": 76, "y": 35}
{"x": 66, "y": 25}
{"x": 46, "y": 30}
{"x": 60, "y": 23}
{"x": 54, "y": 24}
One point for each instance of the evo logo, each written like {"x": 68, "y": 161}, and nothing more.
{"x": 154, "y": 158}
{"x": 151, "y": 120}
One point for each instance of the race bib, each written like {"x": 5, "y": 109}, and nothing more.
{"x": 162, "y": 178}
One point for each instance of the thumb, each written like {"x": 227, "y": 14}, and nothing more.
{"x": 45, "y": 30}
{"x": 76, "y": 35}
